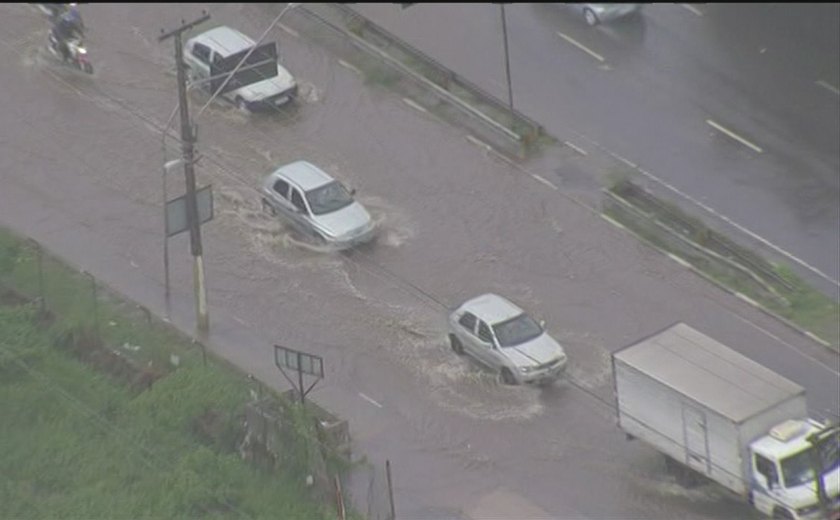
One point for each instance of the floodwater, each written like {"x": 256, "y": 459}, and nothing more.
{"x": 81, "y": 173}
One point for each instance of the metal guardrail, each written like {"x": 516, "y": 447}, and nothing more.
{"x": 435, "y": 78}
{"x": 441, "y": 71}
{"x": 712, "y": 239}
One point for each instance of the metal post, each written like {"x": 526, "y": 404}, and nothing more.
{"x": 165, "y": 241}
{"x": 507, "y": 60}
{"x": 43, "y": 297}
{"x": 300, "y": 375}
{"x": 95, "y": 305}
{"x": 390, "y": 489}
{"x": 187, "y": 141}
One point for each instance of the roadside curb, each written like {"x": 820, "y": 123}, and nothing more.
{"x": 808, "y": 334}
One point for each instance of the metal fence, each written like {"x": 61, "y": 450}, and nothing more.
{"x": 121, "y": 336}
{"x": 368, "y": 486}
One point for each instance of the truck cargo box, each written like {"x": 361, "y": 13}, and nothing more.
{"x": 700, "y": 402}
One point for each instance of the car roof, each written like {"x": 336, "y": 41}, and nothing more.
{"x": 304, "y": 174}
{"x": 492, "y": 308}
{"x": 224, "y": 40}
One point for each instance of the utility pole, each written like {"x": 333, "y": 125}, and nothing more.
{"x": 187, "y": 142}
{"x": 507, "y": 59}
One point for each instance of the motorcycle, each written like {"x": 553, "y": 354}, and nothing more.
{"x": 76, "y": 55}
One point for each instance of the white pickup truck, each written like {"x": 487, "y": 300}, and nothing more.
{"x": 260, "y": 82}
{"x": 716, "y": 413}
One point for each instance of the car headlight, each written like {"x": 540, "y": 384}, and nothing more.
{"x": 527, "y": 370}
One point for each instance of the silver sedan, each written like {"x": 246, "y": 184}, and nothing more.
{"x": 317, "y": 205}
{"x": 499, "y": 335}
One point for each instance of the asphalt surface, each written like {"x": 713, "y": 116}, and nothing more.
{"x": 80, "y": 172}
{"x": 645, "y": 87}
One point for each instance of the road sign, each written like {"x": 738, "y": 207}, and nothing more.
{"x": 176, "y": 211}
{"x": 300, "y": 362}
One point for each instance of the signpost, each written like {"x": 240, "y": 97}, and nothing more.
{"x": 300, "y": 362}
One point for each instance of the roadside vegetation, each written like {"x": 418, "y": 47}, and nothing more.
{"x": 774, "y": 286}
{"x": 93, "y": 430}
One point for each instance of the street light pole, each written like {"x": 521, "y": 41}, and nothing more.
{"x": 507, "y": 59}
{"x": 187, "y": 141}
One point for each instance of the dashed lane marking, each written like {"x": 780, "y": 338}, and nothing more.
{"x": 414, "y": 105}
{"x": 289, "y": 30}
{"x": 370, "y": 400}
{"x": 828, "y": 86}
{"x": 692, "y": 9}
{"x": 544, "y": 181}
{"x": 733, "y": 135}
{"x": 581, "y": 46}
{"x": 576, "y": 148}
{"x": 349, "y": 66}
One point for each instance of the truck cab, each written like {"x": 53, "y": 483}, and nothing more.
{"x": 783, "y": 483}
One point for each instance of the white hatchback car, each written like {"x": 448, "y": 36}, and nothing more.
{"x": 317, "y": 205}
{"x": 499, "y": 335}
{"x": 256, "y": 85}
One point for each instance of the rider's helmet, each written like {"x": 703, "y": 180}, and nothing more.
{"x": 72, "y": 16}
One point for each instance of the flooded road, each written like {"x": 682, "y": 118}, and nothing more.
{"x": 81, "y": 172}
{"x": 646, "y": 88}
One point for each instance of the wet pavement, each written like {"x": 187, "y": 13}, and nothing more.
{"x": 80, "y": 172}
{"x": 644, "y": 88}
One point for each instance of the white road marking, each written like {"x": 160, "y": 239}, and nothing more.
{"x": 544, "y": 181}
{"x": 692, "y": 9}
{"x": 289, "y": 30}
{"x": 788, "y": 345}
{"x": 733, "y": 135}
{"x": 612, "y": 221}
{"x": 412, "y": 104}
{"x": 581, "y": 46}
{"x": 368, "y": 399}
{"x": 478, "y": 142}
{"x": 828, "y": 86}
{"x": 679, "y": 260}
{"x": 576, "y": 148}
{"x": 349, "y": 66}
{"x": 240, "y": 320}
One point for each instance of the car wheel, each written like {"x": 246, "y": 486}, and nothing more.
{"x": 456, "y": 345}
{"x": 591, "y": 18}
{"x": 507, "y": 377}
{"x": 242, "y": 105}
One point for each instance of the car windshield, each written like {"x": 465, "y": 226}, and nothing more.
{"x": 798, "y": 469}
{"x": 328, "y": 198}
{"x": 516, "y": 331}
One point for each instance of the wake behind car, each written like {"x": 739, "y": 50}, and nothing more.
{"x": 499, "y": 335}
{"x": 317, "y": 205}
{"x": 260, "y": 83}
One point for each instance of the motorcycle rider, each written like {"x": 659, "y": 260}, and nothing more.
{"x": 66, "y": 27}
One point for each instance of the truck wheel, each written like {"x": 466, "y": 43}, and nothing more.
{"x": 456, "y": 345}
{"x": 782, "y": 514}
{"x": 507, "y": 377}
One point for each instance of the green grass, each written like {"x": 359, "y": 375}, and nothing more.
{"x": 805, "y": 306}
{"x": 79, "y": 442}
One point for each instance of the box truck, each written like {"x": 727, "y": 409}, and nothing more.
{"x": 713, "y": 412}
